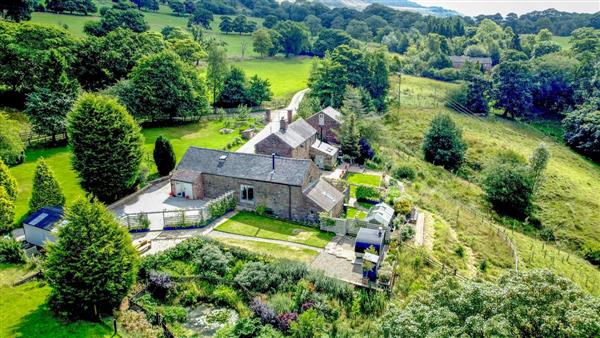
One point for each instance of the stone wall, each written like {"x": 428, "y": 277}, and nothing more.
{"x": 273, "y": 144}
{"x": 330, "y": 129}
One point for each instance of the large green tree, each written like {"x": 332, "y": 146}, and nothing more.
{"x": 508, "y": 183}
{"x": 225, "y": 25}
{"x": 7, "y": 181}
{"x": 234, "y": 89}
{"x": 17, "y": 10}
{"x": 350, "y": 137}
{"x": 122, "y": 14}
{"x": 330, "y": 39}
{"x": 258, "y": 91}
{"x": 443, "y": 144}
{"x": 328, "y": 81}
{"x": 582, "y": 129}
{"x": 294, "y": 37}
{"x": 377, "y": 83}
{"x": 93, "y": 264}
{"x": 262, "y": 42}
{"x": 72, "y": 6}
{"x": 201, "y": 17}
{"x": 512, "y": 88}
{"x": 535, "y": 303}
{"x": 46, "y": 191}
{"x": 163, "y": 87}
{"x": 12, "y": 149}
{"x": 107, "y": 146}
{"x": 216, "y": 71}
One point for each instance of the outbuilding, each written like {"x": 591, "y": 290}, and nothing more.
{"x": 380, "y": 214}
{"x": 369, "y": 237}
{"x": 324, "y": 155}
{"x": 42, "y": 225}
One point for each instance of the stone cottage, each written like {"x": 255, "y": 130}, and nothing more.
{"x": 327, "y": 123}
{"x": 287, "y": 187}
{"x": 298, "y": 140}
{"x": 458, "y": 61}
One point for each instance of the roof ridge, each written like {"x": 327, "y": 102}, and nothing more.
{"x": 252, "y": 154}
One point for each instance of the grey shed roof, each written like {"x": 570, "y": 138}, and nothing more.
{"x": 189, "y": 176}
{"x": 324, "y": 195}
{"x": 333, "y": 113}
{"x": 380, "y": 214}
{"x": 369, "y": 236}
{"x": 325, "y": 148}
{"x": 45, "y": 218}
{"x": 297, "y": 133}
{"x": 255, "y": 167}
{"x": 463, "y": 58}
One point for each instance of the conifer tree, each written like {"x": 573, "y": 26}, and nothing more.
{"x": 350, "y": 137}
{"x": 7, "y": 210}
{"x": 7, "y": 181}
{"x": 164, "y": 156}
{"x": 107, "y": 146}
{"x": 93, "y": 264}
{"x": 46, "y": 190}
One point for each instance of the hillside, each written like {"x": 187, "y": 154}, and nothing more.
{"x": 566, "y": 203}
{"x": 403, "y": 5}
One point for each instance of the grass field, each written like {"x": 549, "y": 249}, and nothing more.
{"x": 286, "y": 75}
{"x": 567, "y": 201}
{"x": 273, "y": 250}
{"x": 355, "y": 213}
{"x": 25, "y": 311}
{"x": 563, "y": 41}
{"x": 250, "y": 224}
{"x": 201, "y": 134}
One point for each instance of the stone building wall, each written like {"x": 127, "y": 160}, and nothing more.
{"x": 273, "y": 144}
{"x": 330, "y": 129}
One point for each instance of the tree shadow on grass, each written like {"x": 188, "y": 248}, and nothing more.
{"x": 42, "y": 323}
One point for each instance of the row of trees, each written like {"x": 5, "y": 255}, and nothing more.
{"x": 240, "y": 24}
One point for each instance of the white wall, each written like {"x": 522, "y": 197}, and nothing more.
{"x": 37, "y": 236}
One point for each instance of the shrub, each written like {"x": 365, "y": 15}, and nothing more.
{"x": 366, "y": 151}
{"x": 136, "y": 324}
{"x": 211, "y": 260}
{"x": 286, "y": 273}
{"x": 309, "y": 324}
{"x": 404, "y": 172}
{"x": 11, "y": 251}
{"x": 255, "y": 276}
{"x": 285, "y": 320}
{"x": 460, "y": 251}
{"x": 262, "y": 311}
{"x": 246, "y": 327}
{"x": 173, "y": 314}
{"x": 221, "y": 207}
{"x": 407, "y": 232}
{"x": 12, "y": 149}
{"x": 591, "y": 252}
{"x": 330, "y": 286}
{"x": 225, "y": 295}
{"x": 164, "y": 156}
{"x": 281, "y": 303}
{"x": 443, "y": 144}
{"x": 402, "y": 206}
{"x": 509, "y": 187}
{"x": 8, "y": 181}
{"x": 7, "y": 210}
{"x": 159, "y": 285}
{"x": 372, "y": 302}
{"x": 366, "y": 192}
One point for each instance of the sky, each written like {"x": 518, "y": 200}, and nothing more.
{"x": 476, "y": 7}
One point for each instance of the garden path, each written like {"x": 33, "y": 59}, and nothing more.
{"x": 273, "y": 126}
{"x": 420, "y": 229}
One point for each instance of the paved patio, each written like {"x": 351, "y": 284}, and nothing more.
{"x": 338, "y": 260}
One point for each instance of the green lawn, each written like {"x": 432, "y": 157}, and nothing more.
{"x": 273, "y": 249}
{"x": 365, "y": 179}
{"x": 250, "y": 224}
{"x": 201, "y": 134}
{"x": 25, "y": 312}
{"x": 355, "y": 213}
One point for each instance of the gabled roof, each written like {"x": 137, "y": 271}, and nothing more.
{"x": 324, "y": 147}
{"x": 463, "y": 58}
{"x": 333, "y": 113}
{"x": 296, "y": 133}
{"x": 324, "y": 195}
{"x": 188, "y": 176}
{"x": 45, "y": 218}
{"x": 369, "y": 236}
{"x": 380, "y": 214}
{"x": 288, "y": 171}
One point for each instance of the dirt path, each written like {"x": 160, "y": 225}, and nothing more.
{"x": 428, "y": 232}
{"x": 469, "y": 255}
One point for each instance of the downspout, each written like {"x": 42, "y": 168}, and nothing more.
{"x": 290, "y": 201}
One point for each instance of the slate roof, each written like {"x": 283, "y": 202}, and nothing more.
{"x": 296, "y": 133}
{"x": 324, "y": 195}
{"x": 333, "y": 113}
{"x": 463, "y": 58}
{"x": 189, "y": 176}
{"x": 325, "y": 147}
{"x": 255, "y": 167}
{"x": 45, "y": 218}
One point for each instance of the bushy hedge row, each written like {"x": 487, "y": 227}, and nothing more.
{"x": 367, "y": 193}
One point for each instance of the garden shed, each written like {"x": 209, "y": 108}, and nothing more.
{"x": 41, "y": 226}
{"x": 381, "y": 214}
{"x": 369, "y": 237}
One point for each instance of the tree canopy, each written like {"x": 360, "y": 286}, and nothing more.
{"x": 443, "y": 144}
{"x": 46, "y": 191}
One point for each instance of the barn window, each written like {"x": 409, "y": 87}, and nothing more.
{"x": 246, "y": 193}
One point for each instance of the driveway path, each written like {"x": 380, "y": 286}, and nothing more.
{"x": 273, "y": 126}
{"x": 216, "y": 233}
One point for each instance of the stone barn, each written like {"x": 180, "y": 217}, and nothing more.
{"x": 286, "y": 187}
{"x": 291, "y": 140}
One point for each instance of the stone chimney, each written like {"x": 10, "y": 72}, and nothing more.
{"x": 290, "y": 114}
{"x": 268, "y": 115}
{"x": 283, "y": 124}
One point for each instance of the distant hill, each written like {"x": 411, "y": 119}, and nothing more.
{"x": 405, "y": 5}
